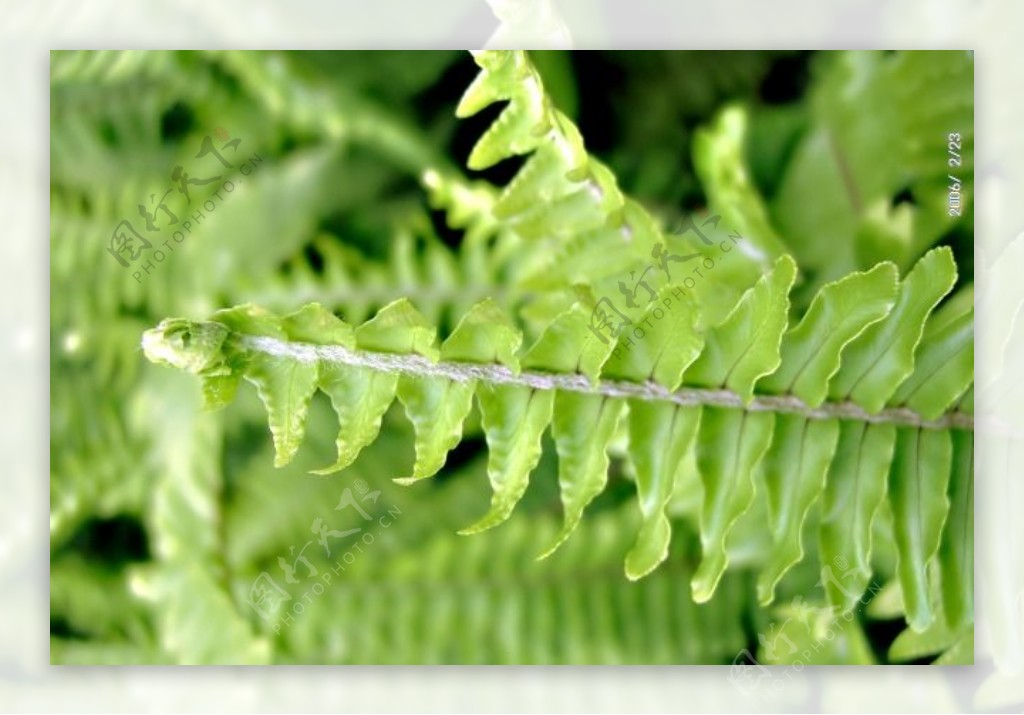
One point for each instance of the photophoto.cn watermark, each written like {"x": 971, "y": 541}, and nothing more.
{"x": 275, "y": 604}
{"x": 166, "y": 223}
{"x": 608, "y": 322}
{"x": 762, "y": 682}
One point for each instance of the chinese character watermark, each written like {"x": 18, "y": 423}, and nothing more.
{"x": 608, "y": 322}
{"x": 762, "y": 683}
{"x": 273, "y": 603}
{"x": 128, "y": 245}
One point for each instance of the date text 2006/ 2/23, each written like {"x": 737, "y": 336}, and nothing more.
{"x": 954, "y": 183}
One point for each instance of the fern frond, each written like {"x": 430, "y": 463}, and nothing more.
{"x": 187, "y": 584}
{"x": 491, "y": 602}
{"x": 442, "y": 282}
{"x": 562, "y": 194}
{"x": 331, "y": 109}
{"x": 718, "y": 157}
{"x": 582, "y": 384}
{"x": 797, "y": 421}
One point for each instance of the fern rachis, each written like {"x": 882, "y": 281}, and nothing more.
{"x": 288, "y": 358}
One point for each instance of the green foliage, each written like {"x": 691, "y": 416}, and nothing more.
{"x": 880, "y": 125}
{"x": 794, "y": 422}
{"x": 289, "y": 358}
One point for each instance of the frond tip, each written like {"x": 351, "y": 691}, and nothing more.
{"x": 190, "y": 346}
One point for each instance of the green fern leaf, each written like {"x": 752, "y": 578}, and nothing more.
{"x": 883, "y": 356}
{"x": 956, "y": 552}
{"x": 718, "y": 161}
{"x": 562, "y": 194}
{"x": 582, "y": 426}
{"x": 953, "y": 645}
{"x": 660, "y": 435}
{"x": 794, "y": 474}
{"x": 944, "y": 362}
{"x": 840, "y": 312}
{"x": 570, "y": 345}
{"x": 854, "y": 490}
{"x": 662, "y": 346}
{"x": 745, "y": 346}
{"x": 587, "y": 381}
{"x": 514, "y": 419}
{"x": 484, "y": 335}
{"x": 398, "y": 328}
{"x": 359, "y": 398}
{"x": 286, "y": 389}
{"x": 727, "y": 386}
{"x": 917, "y": 494}
{"x": 730, "y": 444}
{"x": 797, "y": 386}
{"x": 437, "y": 407}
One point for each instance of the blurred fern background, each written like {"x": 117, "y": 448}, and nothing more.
{"x": 170, "y": 526}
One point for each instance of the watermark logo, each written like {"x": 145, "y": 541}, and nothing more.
{"x": 272, "y": 602}
{"x": 762, "y": 683}
{"x": 128, "y": 245}
{"x": 266, "y": 597}
{"x": 608, "y": 322}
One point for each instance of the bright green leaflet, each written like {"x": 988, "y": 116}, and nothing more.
{"x": 883, "y": 356}
{"x": 944, "y": 363}
{"x": 956, "y": 557}
{"x": 794, "y": 474}
{"x": 745, "y": 346}
{"x": 668, "y": 342}
{"x": 582, "y": 427}
{"x": 437, "y": 408}
{"x": 659, "y": 437}
{"x": 514, "y": 420}
{"x": 917, "y": 494}
{"x": 854, "y": 490}
{"x": 360, "y": 398}
{"x": 840, "y": 312}
{"x": 286, "y": 389}
{"x": 569, "y": 344}
{"x": 730, "y": 444}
